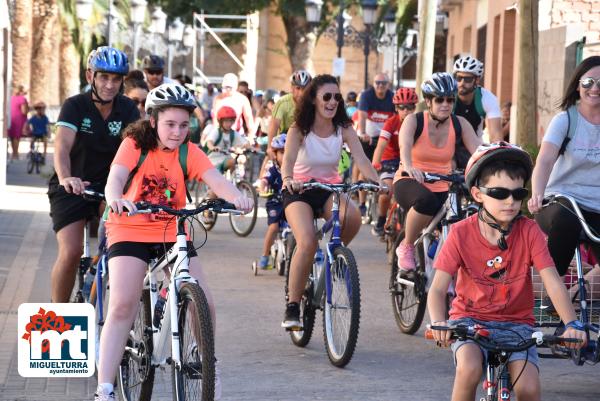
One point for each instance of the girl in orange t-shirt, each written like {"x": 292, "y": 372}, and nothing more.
{"x": 432, "y": 152}
{"x": 133, "y": 241}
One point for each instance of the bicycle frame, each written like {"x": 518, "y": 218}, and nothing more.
{"x": 177, "y": 256}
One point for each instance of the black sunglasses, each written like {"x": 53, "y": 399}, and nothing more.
{"x": 381, "y": 83}
{"x": 503, "y": 193}
{"x": 588, "y": 82}
{"x": 154, "y": 72}
{"x": 405, "y": 107}
{"x": 440, "y": 100}
{"x": 336, "y": 96}
{"x": 138, "y": 101}
{"x": 464, "y": 78}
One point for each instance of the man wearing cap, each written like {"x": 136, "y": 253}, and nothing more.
{"x": 237, "y": 101}
{"x": 284, "y": 109}
{"x": 154, "y": 70}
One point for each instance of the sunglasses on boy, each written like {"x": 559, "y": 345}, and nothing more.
{"x": 440, "y": 100}
{"x": 336, "y": 96}
{"x": 405, "y": 107}
{"x": 465, "y": 78}
{"x": 588, "y": 82}
{"x": 500, "y": 193}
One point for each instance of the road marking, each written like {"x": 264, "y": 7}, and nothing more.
{"x": 19, "y": 283}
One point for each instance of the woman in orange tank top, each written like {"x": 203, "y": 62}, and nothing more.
{"x": 432, "y": 152}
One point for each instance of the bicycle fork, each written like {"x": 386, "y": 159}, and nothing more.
{"x": 496, "y": 389}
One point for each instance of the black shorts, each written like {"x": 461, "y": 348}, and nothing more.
{"x": 145, "y": 250}
{"x": 66, "y": 208}
{"x": 369, "y": 147}
{"x": 315, "y": 198}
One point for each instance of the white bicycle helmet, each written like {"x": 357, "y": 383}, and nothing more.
{"x": 173, "y": 95}
{"x": 278, "y": 142}
{"x": 301, "y": 78}
{"x": 468, "y": 64}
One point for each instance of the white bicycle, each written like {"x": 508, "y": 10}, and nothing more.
{"x": 180, "y": 336}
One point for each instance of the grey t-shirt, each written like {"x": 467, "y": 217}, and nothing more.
{"x": 577, "y": 171}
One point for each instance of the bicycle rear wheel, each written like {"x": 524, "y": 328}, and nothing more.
{"x": 341, "y": 315}
{"x": 280, "y": 258}
{"x": 194, "y": 379}
{"x": 243, "y": 224}
{"x": 135, "y": 378}
{"x": 30, "y": 163}
{"x": 409, "y": 300}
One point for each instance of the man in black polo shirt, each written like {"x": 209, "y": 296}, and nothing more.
{"x": 88, "y": 135}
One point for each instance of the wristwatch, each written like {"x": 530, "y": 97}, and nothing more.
{"x": 576, "y": 324}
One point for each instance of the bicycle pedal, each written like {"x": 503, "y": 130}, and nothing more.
{"x": 294, "y": 328}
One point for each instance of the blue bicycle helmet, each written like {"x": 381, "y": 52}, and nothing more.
{"x": 109, "y": 59}
{"x": 278, "y": 142}
{"x": 441, "y": 84}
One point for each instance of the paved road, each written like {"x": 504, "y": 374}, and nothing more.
{"x": 258, "y": 360}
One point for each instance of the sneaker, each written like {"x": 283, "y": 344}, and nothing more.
{"x": 103, "y": 395}
{"x": 218, "y": 385}
{"x": 263, "y": 263}
{"x": 377, "y": 231}
{"x": 291, "y": 319}
{"x": 406, "y": 256}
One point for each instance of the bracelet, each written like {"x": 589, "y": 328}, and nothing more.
{"x": 575, "y": 324}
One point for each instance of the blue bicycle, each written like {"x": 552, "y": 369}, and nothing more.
{"x": 333, "y": 285}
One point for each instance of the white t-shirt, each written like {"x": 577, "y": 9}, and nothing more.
{"x": 576, "y": 172}
{"x": 224, "y": 144}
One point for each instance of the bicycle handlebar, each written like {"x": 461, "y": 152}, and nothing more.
{"x": 454, "y": 178}
{"x": 480, "y": 334}
{"x": 554, "y": 199}
{"x": 215, "y": 205}
{"x": 339, "y": 188}
{"x": 88, "y": 194}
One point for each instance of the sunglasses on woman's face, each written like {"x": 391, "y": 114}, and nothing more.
{"x": 405, "y": 107}
{"x": 137, "y": 102}
{"x": 336, "y": 96}
{"x": 500, "y": 193}
{"x": 440, "y": 100}
{"x": 588, "y": 82}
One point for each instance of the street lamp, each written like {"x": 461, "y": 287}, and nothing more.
{"x": 369, "y": 8}
{"x": 313, "y": 11}
{"x": 138, "y": 14}
{"x": 83, "y": 9}
{"x": 159, "y": 24}
{"x": 174, "y": 36}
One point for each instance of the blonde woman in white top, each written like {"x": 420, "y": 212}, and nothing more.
{"x": 312, "y": 152}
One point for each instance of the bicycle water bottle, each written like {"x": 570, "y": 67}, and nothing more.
{"x": 432, "y": 248}
{"x": 159, "y": 308}
{"x": 319, "y": 262}
{"x": 88, "y": 280}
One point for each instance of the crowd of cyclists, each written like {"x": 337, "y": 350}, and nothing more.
{"x": 126, "y": 134}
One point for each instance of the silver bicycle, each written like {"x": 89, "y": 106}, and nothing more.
{"x": 176, "y": 331}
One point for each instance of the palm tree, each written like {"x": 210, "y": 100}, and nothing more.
{"x": 44, "y": 62}
{"x": 21, "y": 41}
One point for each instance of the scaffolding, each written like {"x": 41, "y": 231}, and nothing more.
{"x": 202, "y": 27}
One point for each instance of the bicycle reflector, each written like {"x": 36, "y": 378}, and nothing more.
{"x": 480, "y": 331}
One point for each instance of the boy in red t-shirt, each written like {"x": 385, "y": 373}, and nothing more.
{"x": 493, "y": 279}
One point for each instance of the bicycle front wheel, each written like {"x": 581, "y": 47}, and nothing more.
{"x": 30, "y": 163}
{"x": 243, "y": 224}
{"x": 341, "y": 316}
{"x": 136, "y": 373}
{"x": 194, "y": 379}
{"x": 409, "y": 298}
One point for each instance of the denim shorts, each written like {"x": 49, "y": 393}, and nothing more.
{"x": 499, "y": 332}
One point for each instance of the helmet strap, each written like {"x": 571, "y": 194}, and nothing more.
{"x": 502, "y": 244}
{"x": 438, "y": 121}
{"x": 98, "y": 99}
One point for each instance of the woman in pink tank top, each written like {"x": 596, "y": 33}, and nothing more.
{"x": 432, "y": 152}
{"x": 312, "y": 152}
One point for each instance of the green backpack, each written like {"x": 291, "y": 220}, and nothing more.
{"x": 478, "y": 104}
{"x": 183, "y": 153}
